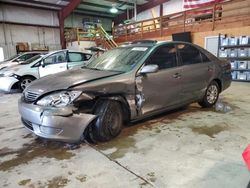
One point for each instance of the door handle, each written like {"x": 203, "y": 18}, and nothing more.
{"x": 177, "y": 75}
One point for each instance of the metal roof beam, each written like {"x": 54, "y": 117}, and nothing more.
{"x": 96, "y": 12}
{"x": 41, "y": 3}
{"x": 41, "y": 7}
{"x": 93, "y": 15}
{"x": 63, "y": 13}
{"x": 99, "y": 6}
{"x": 122, "y": 2}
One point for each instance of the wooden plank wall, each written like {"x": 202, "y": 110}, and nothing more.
{"x": 199, "y": 37}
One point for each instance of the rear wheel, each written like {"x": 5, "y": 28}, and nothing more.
{"x": 25, "y": 81}
{"x": 108, "y": 123}
{"x": 211, "y": 96}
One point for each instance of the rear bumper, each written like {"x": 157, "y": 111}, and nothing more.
{"x": 6, "y": 83}
{"x": 54, "y": 123}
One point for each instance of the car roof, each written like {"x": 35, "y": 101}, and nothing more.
{"x": 55, "y": 51}
{"x": 151, "y": 43}
{"x": 33, "y": 52}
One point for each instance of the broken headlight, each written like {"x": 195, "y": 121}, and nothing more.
{"x": 59, "y": 99}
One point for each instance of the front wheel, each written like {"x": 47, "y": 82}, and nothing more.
{"x": 211, "y": 96}
{"x": 108, "y": 123}
{"x": 25, "y": 81}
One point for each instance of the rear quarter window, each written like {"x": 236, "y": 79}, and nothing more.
{"x": 76, "y": 57}
{"x": 204, "y": 58}
{"x": 189, "y": 55}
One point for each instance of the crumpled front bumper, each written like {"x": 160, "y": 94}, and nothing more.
{"x": 59, "y": 124}
{"x": 6, "y": 83}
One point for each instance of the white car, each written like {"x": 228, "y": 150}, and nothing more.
{"x": 20, "y": 76}
{"x": 17, "y": 59}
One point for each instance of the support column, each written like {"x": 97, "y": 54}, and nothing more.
{"x": 63, "y": 13}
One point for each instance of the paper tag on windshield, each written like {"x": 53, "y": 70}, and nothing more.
{"x": 139, "y": 49}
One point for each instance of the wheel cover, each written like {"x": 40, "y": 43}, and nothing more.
{"x": 25, "y": 83}
{"x": 212, "y": 94}
{"x": 111, "y": 122}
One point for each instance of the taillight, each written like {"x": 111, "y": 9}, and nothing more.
{"x": 227, "y": 68}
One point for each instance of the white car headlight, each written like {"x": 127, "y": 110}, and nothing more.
{"x": 59, "y": 99}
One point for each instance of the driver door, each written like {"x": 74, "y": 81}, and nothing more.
{"x": 161, "y": 89}
{"x": 54, "y": 63}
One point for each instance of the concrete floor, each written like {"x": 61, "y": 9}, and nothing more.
{"x": 192, "y": 147}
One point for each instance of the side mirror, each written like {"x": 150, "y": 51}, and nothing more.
{"x": 149, "y": 69}
{"x": 42, "y": 63}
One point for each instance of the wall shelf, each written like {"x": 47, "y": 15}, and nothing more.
{"x": 240, "y": 69}
{"x": 235, "y": 58}
{"x": 239, "y": 75}
{"x": 236, "y": 46}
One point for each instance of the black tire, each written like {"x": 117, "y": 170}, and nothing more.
{"x": 211, "y": 95}
{"x": 108, "y": 124}
{"x": 25, "y": 81}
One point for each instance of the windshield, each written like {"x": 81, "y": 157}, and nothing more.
{"x": 31, "y": 60}
{"x": 118, "y": 59}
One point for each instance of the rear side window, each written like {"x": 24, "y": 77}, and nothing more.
{"x": 164, "y": 57}
{"x": 204, "y": 58}
{"x": 189, "y": 54}
{"x": 75, "y": 57}
{"x": 27, "y": 56}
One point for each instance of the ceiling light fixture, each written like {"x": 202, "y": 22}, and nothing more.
{"x": 113, "y": 9}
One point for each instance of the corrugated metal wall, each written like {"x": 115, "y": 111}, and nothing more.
{"x": 46, "y": 33}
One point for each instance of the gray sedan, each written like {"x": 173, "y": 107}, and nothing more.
{"x": 125, "y": 84}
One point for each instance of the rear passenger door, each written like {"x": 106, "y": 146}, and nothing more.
{"x": 196, "y": 72}
{"x": 77, "y": 59}
{"x": 161, "y": 89}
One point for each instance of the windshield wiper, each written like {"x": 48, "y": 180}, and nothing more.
{"x": 116, "y": 71}
{"x": 91, "y": 68}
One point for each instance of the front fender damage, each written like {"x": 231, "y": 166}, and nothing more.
{"x": 140, "y": 99}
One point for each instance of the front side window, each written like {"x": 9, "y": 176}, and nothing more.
{"x": 31, "y": 60}
{"x": 22, "y": 58}
{"x": 59, "y": 57}
{"x": 164, "y": 57}
{"x": 189, "y": 54}
{"x": 26, "y": 56}
{"x": 121, "y": 59}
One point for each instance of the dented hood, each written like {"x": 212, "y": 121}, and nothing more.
{"x": 67, "y": 79}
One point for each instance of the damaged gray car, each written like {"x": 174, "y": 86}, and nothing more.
{"x": 125, "y": 84}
